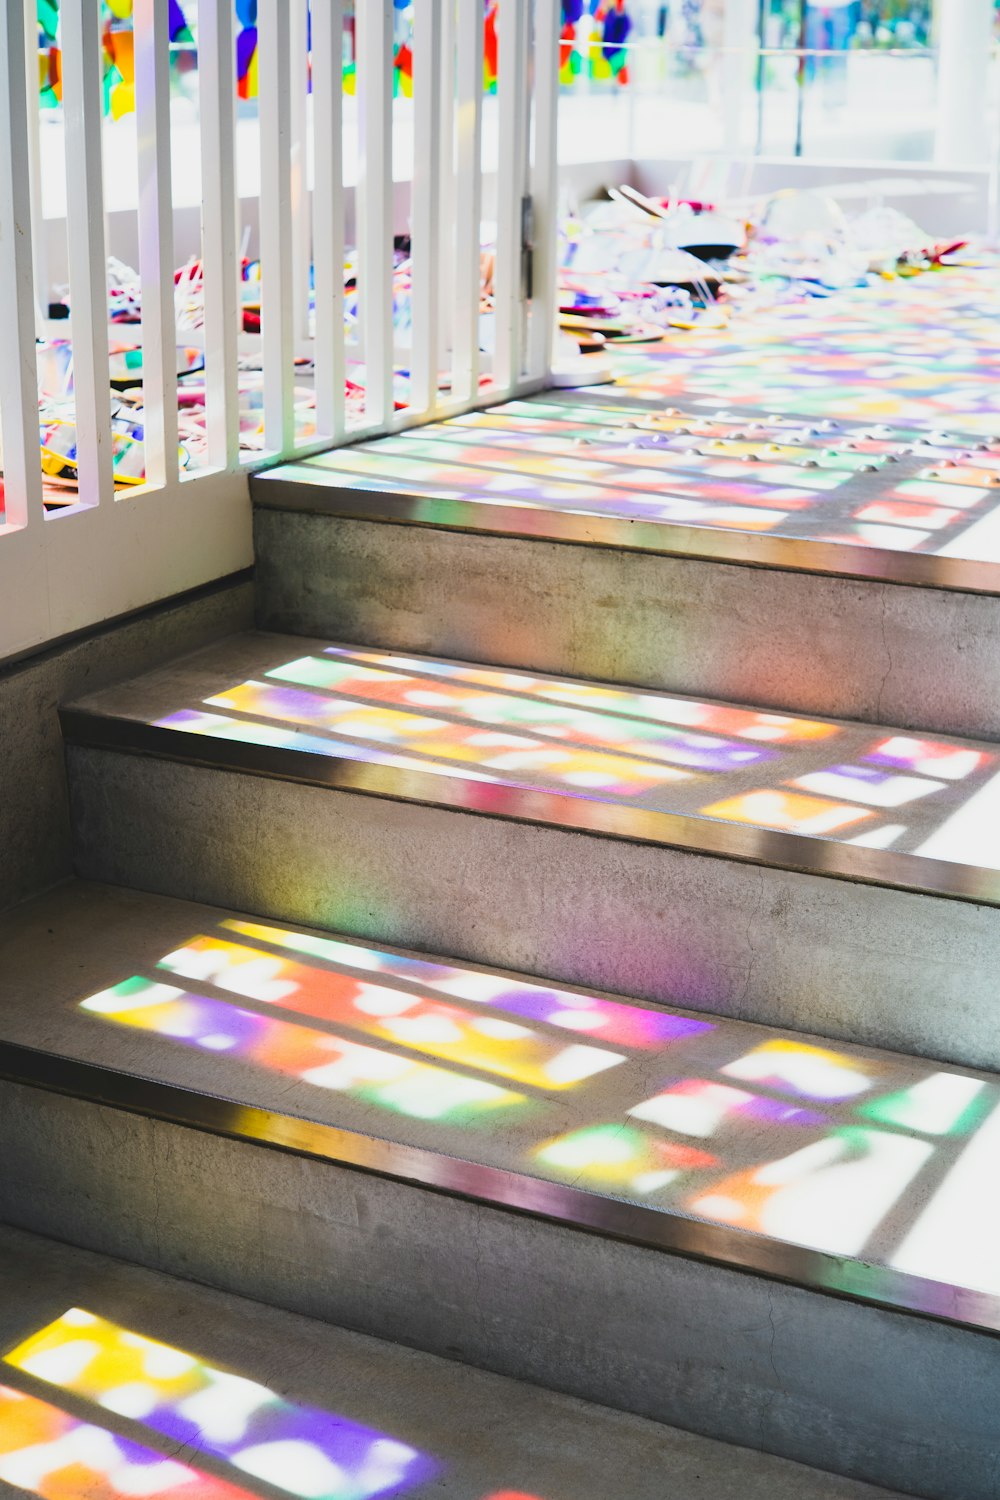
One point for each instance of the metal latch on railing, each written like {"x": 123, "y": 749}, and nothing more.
{"x": 527, "y": 247}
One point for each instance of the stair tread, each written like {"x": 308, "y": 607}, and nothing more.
{"x": 617, "y": 467}
{"x": 838, "y": 798}
{"x": 452, "y": 1431}
{"x": 841, "y": 1168}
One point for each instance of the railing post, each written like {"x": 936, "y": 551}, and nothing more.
{"x": 375, "y": 203}
{"x": 512, "y": 181}
{"x": 39, "y": 248}
{"x": 301, "y": 210}
{"x": 468, "y": 202}
{"x": 545, "y": 189}
{"x": 88, "y": 281}
{"x": 425, "y": 211}
{"x": 22, "y": 474}
{"x": 446, "y": 169}
{"x": 219, "y": 208}
{"x": 156, "y": 241}
{"x": 328, "y": 215}
{"x": 276, "y": 246}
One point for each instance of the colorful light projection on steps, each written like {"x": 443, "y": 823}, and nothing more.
{"x": 923, "y": 352}
{"x": 49, "y": 1453}
{"x": 374, "y": 1076}
{"x": 618, "y": 458}
{"x": 816, "y": 779}
{"x": 296, "y": 1449}
{"x": 855, "y": 1153}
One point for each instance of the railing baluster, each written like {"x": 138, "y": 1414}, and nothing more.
{"x": 375, "y": 203}
{"x": 301, "y": 206}
{"x": 425, "y": 211}
{"x": 22, "y": 474}
{"x": 446, "y": 193}
{"x": 328, "y": 215}
{"x": 276, "y": 249}
{"x": 156, "y": 241}
{"x": 468, "y": 202}
{"x": 88, "y": 289}
{"x": 545, "y": 188}
{"x": 217, "y": 98}
{"x": 512, "y": 71}
{"x": 39, "y": 248}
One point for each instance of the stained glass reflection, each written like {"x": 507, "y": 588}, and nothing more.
{"x": 828, "y": 436}
{"x": 810, "y": 778}
{"x": 297, "y": 1449}
{"x": 833, "y": 1147}
{"x": 56, "y": 1456}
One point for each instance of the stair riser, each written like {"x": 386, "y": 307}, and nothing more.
{"x": 886, "y": 653}
{"x": 863, "y": 963}
{"x": 895, "y": 1399}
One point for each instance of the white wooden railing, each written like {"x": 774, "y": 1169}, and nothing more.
{"x": 112, "y": 551}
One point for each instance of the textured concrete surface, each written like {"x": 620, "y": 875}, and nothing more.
{"x": 80, "y": 940}
{"x": 888, "y": 654}
{"x": 486, "y": 1433}
{"x": 871, "y": 1394}
{"x": 34, "y": 812}
{"x": 860, "y": 963}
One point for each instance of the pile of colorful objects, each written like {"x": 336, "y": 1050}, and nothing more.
{"x": 634, "y": 267}
{"x": 781, "y": 307}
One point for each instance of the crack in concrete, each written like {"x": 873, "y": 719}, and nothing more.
{"x": 888, "y": 656}
{"x": 768, "y": 1405}
{"x": 752, "y": 958}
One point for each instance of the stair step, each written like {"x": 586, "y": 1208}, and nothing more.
{"x": 734, "y": 555}
{"x": 666, "y": 846}
{"x": 669, "y": 1213}
{"x": 368, "y": 1418}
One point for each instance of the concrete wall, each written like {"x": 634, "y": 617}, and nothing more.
{"x": 35, "y": 845}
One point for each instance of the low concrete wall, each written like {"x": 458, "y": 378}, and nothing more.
{"x": 35, "y": 842}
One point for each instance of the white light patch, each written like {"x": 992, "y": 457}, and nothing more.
{"x": 971, "y": 836}
{"x": 296, "y": 1467}
{"x": 804, "y": 1070}
{"x": 63, "y": 1365}
{"x": 694, "y": 1113}
{"x": 114, "y": 1002}
{"x": 880, "y": 838}
{"x": 573, "y": 1064}
{"x": 893, "y": 791}
{"x": 957, "y": 1237}
{"x": 832, "y": 1198}
{"x": 135, "y": 1400}
{"x": 223, "y": 1411}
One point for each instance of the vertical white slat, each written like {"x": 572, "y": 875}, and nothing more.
{"x": 512, "y": 101}
{"x": 545, "y": 188}
{"x": 375, "y": 202}
{"x": 18, "y": 368}
{"x": 468, "y": 201}
{"x": 425, "y": 356}
{"x": 39, "y": 248}
{"x": 220, "y": 264}
{"x": 301, "y": 208}
{"x": 276, "y": 251}
{"x": 328, "y": 215}
{"x": 446, "y": 172}
{"x": 156, "y": 240}
{"x": 83, "y": 108}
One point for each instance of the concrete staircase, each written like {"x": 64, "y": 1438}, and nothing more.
{"x": 227, "y": 1400}
{"x": 563, "y": 943}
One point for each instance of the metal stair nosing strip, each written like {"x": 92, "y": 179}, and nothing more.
{"x": 550, "y": 808}
{"x": 825, "y": 1273}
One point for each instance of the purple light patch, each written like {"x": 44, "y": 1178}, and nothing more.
{"x": 627, "y": 1025}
